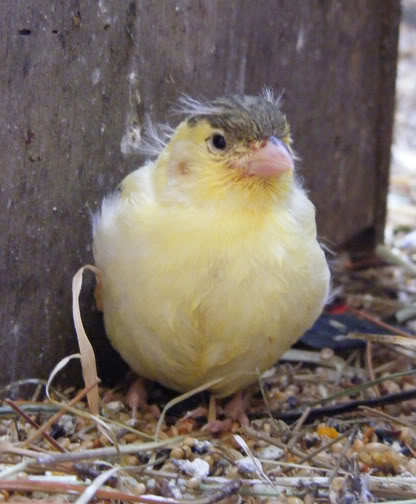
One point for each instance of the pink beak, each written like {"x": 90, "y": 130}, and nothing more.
{"x": 271, "y": 160}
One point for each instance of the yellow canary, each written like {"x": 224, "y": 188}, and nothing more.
{"x": 210, "y": 266}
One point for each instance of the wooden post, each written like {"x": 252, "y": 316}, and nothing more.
{"x": 77, "y": 78}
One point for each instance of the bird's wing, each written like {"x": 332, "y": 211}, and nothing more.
{"x": 136, "y": 187}
{"x": 303, "y": 210}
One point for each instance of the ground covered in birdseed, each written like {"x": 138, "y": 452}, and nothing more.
{"x": 326, "y": 425}
{"x": 333, "y": 422}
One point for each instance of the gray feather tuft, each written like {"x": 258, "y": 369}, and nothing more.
{"x": 155, "y": 137}
{"x": 243, "y": 117}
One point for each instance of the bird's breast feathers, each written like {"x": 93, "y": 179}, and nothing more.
{"x": 191, "y": 294}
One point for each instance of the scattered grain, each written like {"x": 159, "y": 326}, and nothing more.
{"x": 177, "y": 453}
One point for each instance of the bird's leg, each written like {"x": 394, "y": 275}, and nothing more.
{"x": 137, "y": 398}
{"x": 212, "y": 409}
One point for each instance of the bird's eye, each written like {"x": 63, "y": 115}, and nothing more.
{"x": 218, "y": 141}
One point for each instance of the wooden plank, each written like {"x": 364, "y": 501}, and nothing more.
{"x": 77, "y": 78}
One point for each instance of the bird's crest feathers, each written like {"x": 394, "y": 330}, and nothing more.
{"x": 190, "y": 107}
{"x": 154, "y": 138}
{"x": 255, "y": 115}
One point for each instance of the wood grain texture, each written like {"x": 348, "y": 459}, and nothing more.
{"x": 77, "y": 78}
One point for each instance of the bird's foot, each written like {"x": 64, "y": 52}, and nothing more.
{"x": 234, "y": 410}
{"x": 218, "y": 426}
{"x": 137, "y": 397}
{"x": 198, "y": 412}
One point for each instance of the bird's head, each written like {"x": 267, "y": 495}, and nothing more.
{"x": 233, "y": 151}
